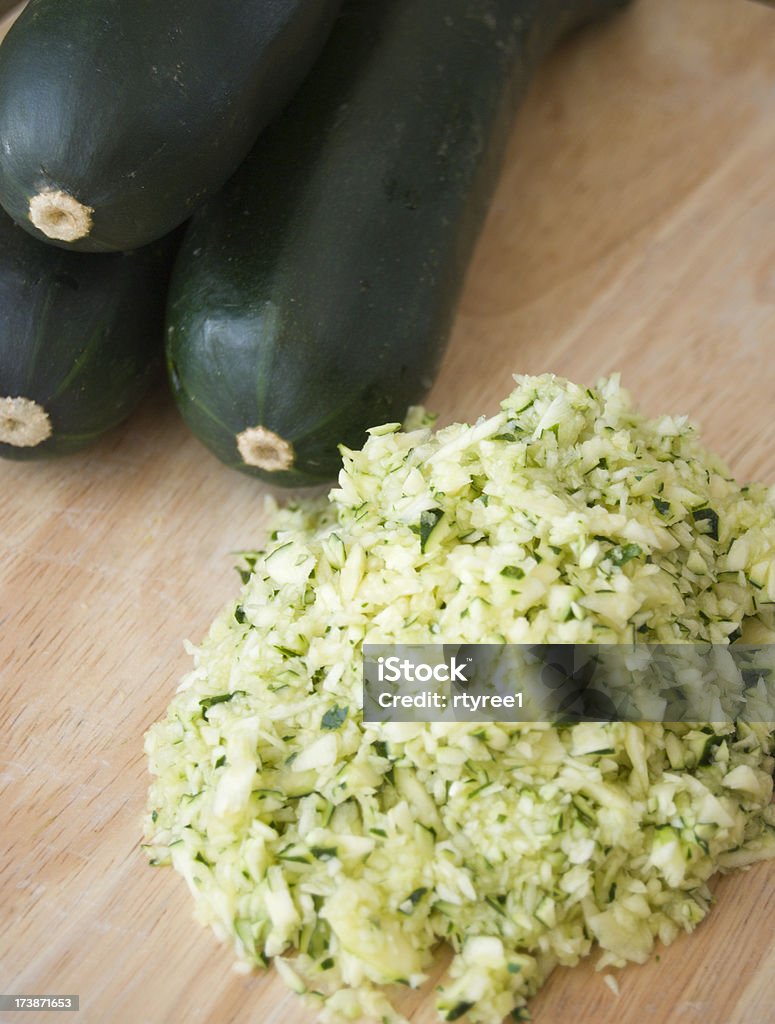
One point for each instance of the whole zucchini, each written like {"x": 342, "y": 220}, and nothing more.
{"x": 313, "y": 297}
{"x": 117, "y": 117}
{"x": 80, "y": 340}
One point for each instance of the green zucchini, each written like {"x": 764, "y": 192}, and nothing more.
{"x": 117, "y": 117}
{"x": 313, "y": 297}
{"x": 81, "y": 337}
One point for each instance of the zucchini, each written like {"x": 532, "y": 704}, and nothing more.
{"x": 80, "y": 340}
{"x": 313, "y": 297}
{"x": 117, "y": 117}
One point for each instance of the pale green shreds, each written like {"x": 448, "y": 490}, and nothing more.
{"x": 347, "y": 852}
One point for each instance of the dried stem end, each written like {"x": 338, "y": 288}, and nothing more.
{"x": 60, "y": 216}
{"x": 23, "y": 423}
{"x": 264, "y": 449}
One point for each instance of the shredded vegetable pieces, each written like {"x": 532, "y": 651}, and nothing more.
{"x": 348, "y": 851}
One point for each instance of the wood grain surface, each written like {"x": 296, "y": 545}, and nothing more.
{"x": 633, "y": 230}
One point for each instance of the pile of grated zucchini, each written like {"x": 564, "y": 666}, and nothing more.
{"x": 348, "y": 851}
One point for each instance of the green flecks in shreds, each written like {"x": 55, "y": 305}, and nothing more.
{"x": 323, "y": 852}
{"x": 428, "y": 522}
{"x": 245, "y": 570}
{"x": 459, "y": 1011}
{"x": 222, "y": 698}
{"x": 621, "y": 555}
{"x": 334, "y": 717}
{"x": 322, "y": 831}
{"x": 707, "y": 518}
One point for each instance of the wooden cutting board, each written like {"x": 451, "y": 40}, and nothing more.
{"x": 633, "y": 230}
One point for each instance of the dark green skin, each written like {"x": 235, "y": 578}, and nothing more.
{"x": 314, "y": 295}
{"x": 81, "y": 335}
{"x": 142, "y": 108}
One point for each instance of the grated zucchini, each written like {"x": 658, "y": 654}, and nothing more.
{"x": 347, "y": 851}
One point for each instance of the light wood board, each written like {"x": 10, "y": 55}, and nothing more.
{"x": 633, "y": 230}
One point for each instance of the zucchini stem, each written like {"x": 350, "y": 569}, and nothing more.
{"x": 60, "y": 216}
{"x": 264, "y": 449}
{"x": 23, "y": 423}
